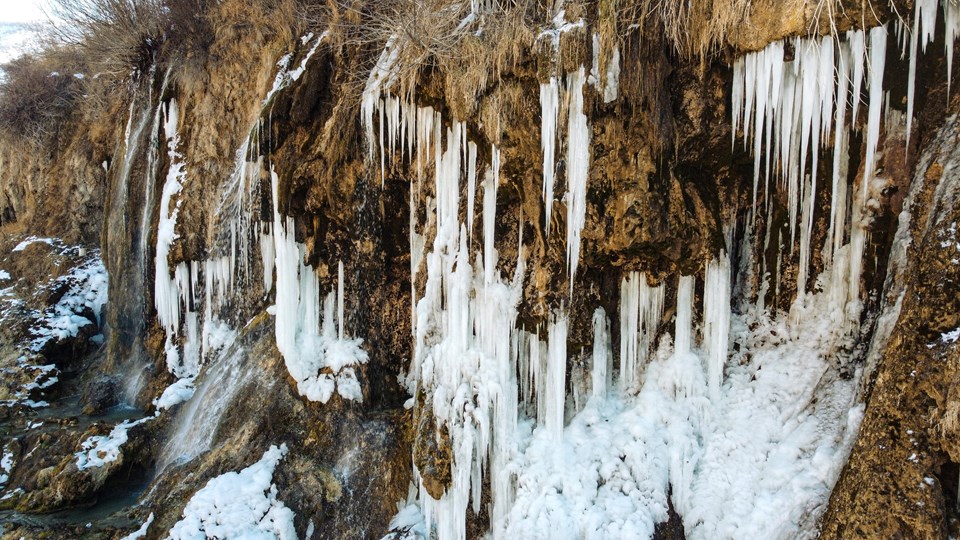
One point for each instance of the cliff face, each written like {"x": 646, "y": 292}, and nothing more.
{"x": 900, "y": 477}
{"x": 420, "y": 269}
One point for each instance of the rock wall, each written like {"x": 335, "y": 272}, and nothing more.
{"x": 303, "y": 151}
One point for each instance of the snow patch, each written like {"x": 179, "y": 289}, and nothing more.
{"x": 176, "y": 393}
{"x": 88, "y": 291}
{"x": 34, "y": 240}
{"x": 142, "y": 531}
{"x": 239, "y": 505}
{"x": 102, "y": 449}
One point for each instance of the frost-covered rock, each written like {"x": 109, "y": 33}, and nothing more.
{"x": 239, "y": 505}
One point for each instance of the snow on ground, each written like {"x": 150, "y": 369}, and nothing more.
{"x": 407, "y": 524}
{"x": 88, "y": 291}
{"x": 6, "y": 465}
{"x": 142, "y": 531}
{"x": 44, "y": 377}
{"x": 239, "y": 505}
{"x": 34, "y": 240}
{"x": 950, "y": 337}
{"x": 102, "y": 449}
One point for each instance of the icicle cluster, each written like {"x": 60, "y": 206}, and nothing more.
{"x": 608, "y": 84}
{"x": 468, "y": 352}
{"x": 175, "y": 295}
{"x": 788, "y": 110}
{"x": 641, "y": 307}
{"x": 716, "y": 320}
{"x": 316, "y": 352}
{"x": 577, "y": 159}
{"x": 924, "y": 25}
{"x": 190, "y": 297}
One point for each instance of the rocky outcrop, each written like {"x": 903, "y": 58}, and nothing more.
{"x": 902, "y": 476}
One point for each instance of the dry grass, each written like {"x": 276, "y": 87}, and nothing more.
{"x": 468, "y": 49}
{"x": 696, "y": 28}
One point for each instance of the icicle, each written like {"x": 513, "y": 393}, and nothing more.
{"x": 556, "y": 389}
{"x": 951, "y": 17}
{"x": 840, "y": 137}
{"x": 684, "y": 324}
{"x": 340, "y": 300}
{"x": 578, "y": 168}
{"x": 736, "y": 98}
{"x": 489, "y": 216}
{"x": 381, "y": 76}
{"x": 629, "y": 328}
{"x": 549, "y": 112}
{"x": 716, "y": 319}
{"x": 878, "y": 52}
{"x": 640, "y": 309}
{"x": 601, "y": 354}
{"x": 924, "y": 24}
{"x": 858, "y": 53}
{"x": 611, "y": 87}
{"x": 471, "y": 184}
{"x": 806, "y": 228}
{"x": 269, "y": 258}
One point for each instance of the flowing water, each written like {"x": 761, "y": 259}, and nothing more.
{"x": 196, "y": 423}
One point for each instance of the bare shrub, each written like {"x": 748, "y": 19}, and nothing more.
{"x": 39, "y": 93}
{"x": 120, "y": 37}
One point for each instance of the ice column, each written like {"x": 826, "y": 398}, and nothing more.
{"x": 716, "y": 320}
{"x": 600, "y": 374}
{"x": 640, "y": 309}
{"x": 556, "y": 393}
{"x": 578, "y": 167}
{"x": 684, "y": 324}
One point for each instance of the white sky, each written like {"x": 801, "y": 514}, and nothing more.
{"x": 21, "y": 10}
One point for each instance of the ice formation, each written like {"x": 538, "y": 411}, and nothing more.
{"x": 608, "y": 83}
{"x": 191, "y": 297}
{"x": 87, "y": 292}
{"x": 315, "y": 350}
{"x": 788, "y": 111}
{"x": 924, "y": 25}
{"x": 142, "y": 531}
{"x": 602, "y": 365}
{"x": 239, "y": 505}
{"x": 6, "y": 465}
{"x": 176, "y": 393}
{"x": 641, "y": 307}
{"x": 467, "y": 348}
{"x": 690, "y": 414}
{"x": 578, "y": 169}
{"x": 174, "y": 291}
{"x": 716, "y": 320}
{"x": 549, "y": 115}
